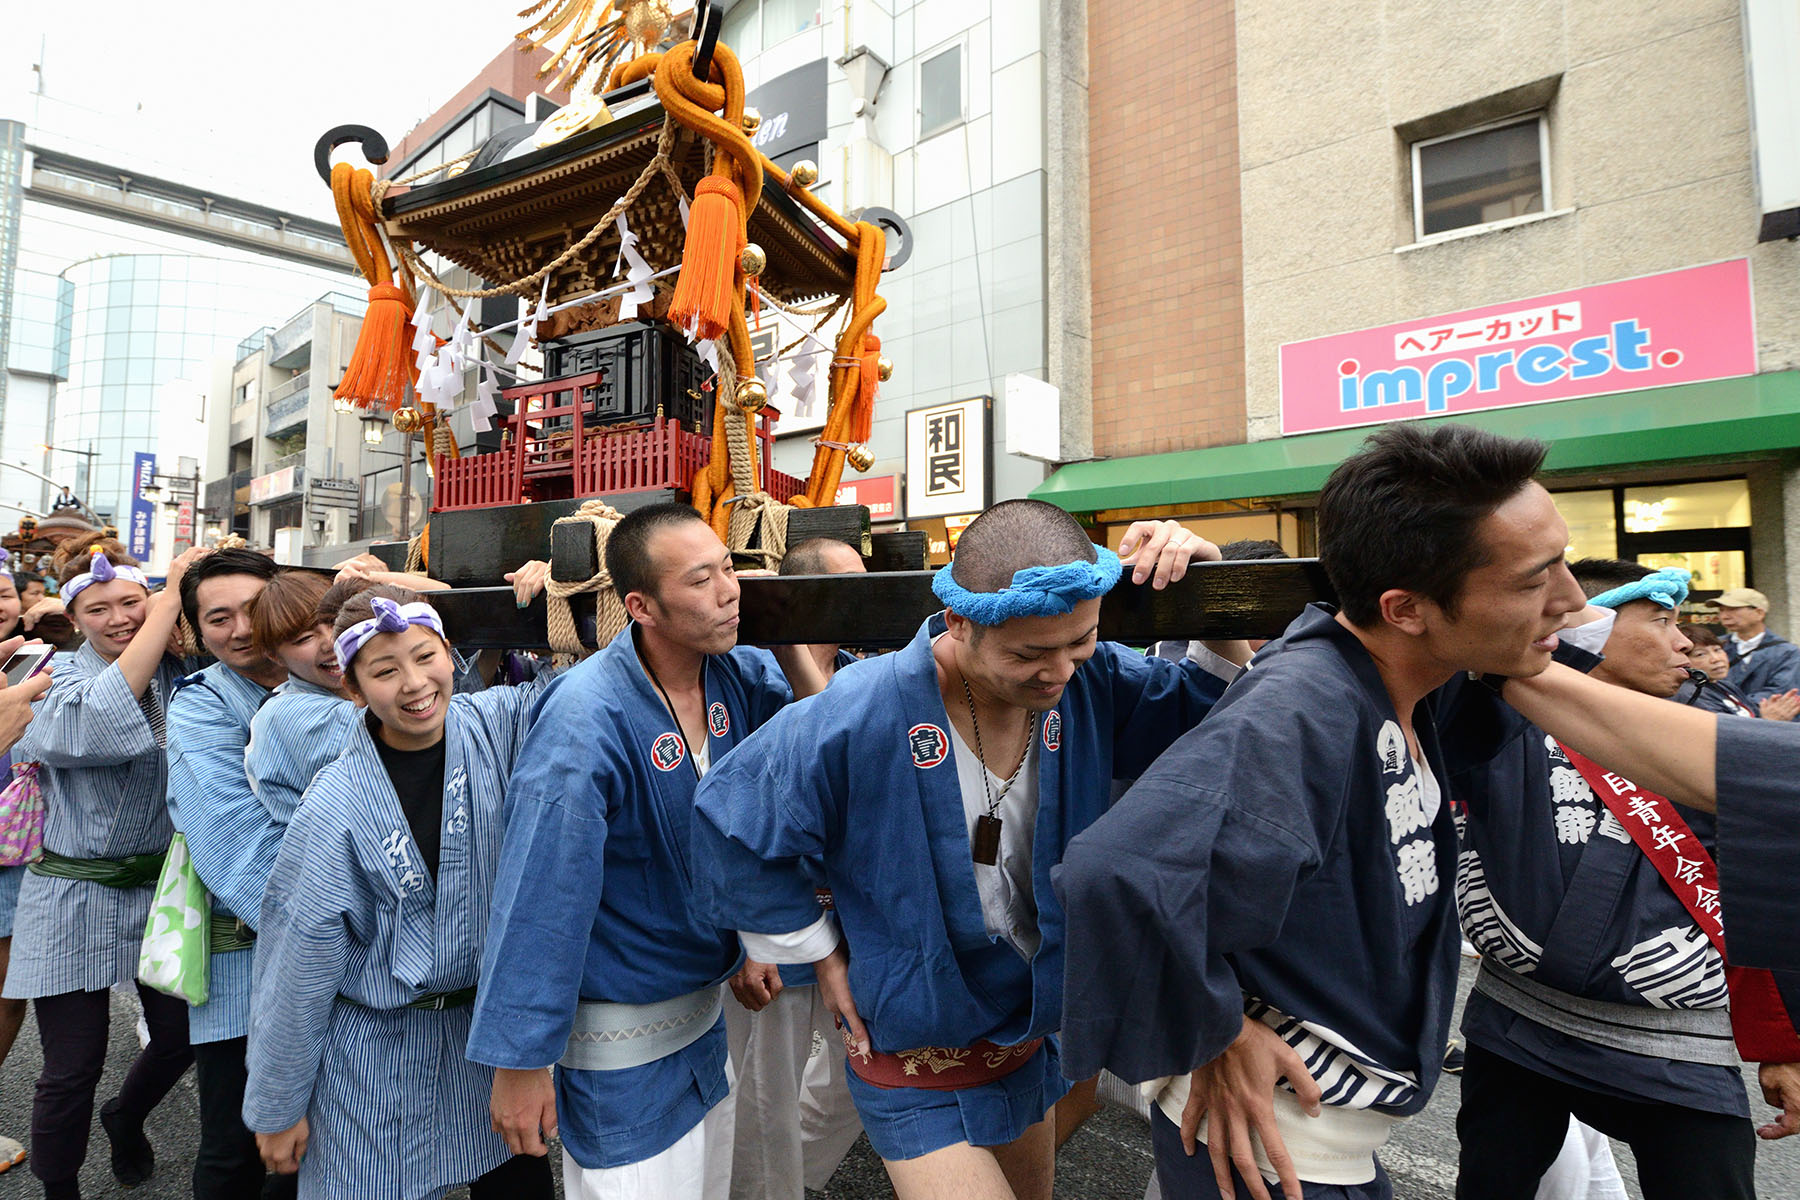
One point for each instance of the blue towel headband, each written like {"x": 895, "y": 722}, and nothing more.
{"x": 1667, "y": 588}
{"x": 1035, "y": 591}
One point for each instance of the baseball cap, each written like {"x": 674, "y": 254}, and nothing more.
{"x": 1742, "y": 598}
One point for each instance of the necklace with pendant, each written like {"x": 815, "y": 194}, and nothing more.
{"x": 986, "y": 842}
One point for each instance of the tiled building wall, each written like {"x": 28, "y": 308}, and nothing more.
{"x": 1167, "y": 243}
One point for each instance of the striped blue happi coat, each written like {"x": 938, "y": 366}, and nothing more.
{"x": 353, "y": 929}
{"x": 102, "y": 776}
{"x": 230, "y": 835}
{"x": 299, "y": 728}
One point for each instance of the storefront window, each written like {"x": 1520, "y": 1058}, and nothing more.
{"x": 1714, "y": 570}
{"x": 1702, "y": 526}
{"x": 1592, "y": 531}
{"x": 1712, "y": 504}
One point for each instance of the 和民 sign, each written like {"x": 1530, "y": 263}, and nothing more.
{"x": 947, "y": 455}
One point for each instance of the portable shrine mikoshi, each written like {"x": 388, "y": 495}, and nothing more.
{"x": 652, "y": 177}
{"x": 640, "y": 235}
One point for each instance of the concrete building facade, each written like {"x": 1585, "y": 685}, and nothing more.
{"x": 1404, "y": 169}
{"x": 936, "y": 111}
{"x": 299, "y": 469}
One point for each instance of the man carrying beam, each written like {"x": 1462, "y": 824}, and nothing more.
{"x": 593, "y": 961}
{"x": 939, "y": 786}
{"x": 1272, "y": 901}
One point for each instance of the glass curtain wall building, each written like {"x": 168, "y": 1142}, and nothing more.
{"x": 135, "y": 324}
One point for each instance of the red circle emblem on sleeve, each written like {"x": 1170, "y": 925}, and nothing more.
{"x": 929, "y": 744}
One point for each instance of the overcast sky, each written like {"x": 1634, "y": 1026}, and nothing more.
{"x": 233, "y": 95}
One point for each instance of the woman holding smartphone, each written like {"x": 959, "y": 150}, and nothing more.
{"x": 99, "y": 743}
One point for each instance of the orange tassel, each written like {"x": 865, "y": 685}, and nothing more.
{"x": 706, "y": 290}
{"x": 868, "y": 378}
{"x": 380, "y": 366}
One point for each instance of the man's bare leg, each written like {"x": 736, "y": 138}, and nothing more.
{"x": 1077, "y": 1106}
{"x": 1023, "y": 1169}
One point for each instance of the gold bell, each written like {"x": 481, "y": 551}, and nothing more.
{"x": 805, "y": 173}
{"x": 884, "y": 368}
{"x": 408, "y": 420}
{"x": 860, "y": 457}
{"x": 752, "y": 120}
{"x": 752, "y": 260}
{"x": 751, "y": 395}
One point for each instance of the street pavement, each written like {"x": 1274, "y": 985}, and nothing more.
{"x": 1107, "y": 1159}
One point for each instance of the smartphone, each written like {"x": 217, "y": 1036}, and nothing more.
{"x": 26, "y": 663}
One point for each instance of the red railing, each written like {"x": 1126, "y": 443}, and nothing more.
{"x": 547, "y": 453}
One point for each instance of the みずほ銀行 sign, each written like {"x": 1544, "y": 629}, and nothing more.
{"x": 1655, "y": 331}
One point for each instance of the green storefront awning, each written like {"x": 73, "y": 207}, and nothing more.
{"x": 1693, "y": 420}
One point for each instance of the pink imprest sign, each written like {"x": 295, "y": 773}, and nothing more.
{"x": 1678, "y": 327}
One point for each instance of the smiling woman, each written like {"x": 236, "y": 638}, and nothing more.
{"x": 97, "y": 743}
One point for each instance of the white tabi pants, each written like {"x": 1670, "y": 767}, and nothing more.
{"x": 795, "y": 1118}
{"x": 696, "y": 1167}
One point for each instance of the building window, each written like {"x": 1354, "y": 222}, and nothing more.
{"x": 1481, "y": 176}
{"x": 941, "y": 91}
{"x": 753, "y": 26}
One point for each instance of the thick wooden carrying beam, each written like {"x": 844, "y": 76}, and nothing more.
{"x": 1216, "y": 600}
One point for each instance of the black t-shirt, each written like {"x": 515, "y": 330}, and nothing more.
{"x": 418, "y": 778}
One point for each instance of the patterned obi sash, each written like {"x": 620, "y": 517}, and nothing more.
{"x": 133, "y": 871}
{"x": 612, "y": 1037}
{"x": 942, "y": 1068}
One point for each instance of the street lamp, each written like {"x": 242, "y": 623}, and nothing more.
{"x": 374, "y": 429}
{"x": 343, "y": 406}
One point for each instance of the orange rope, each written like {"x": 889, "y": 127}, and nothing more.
{"x": 847, "y": 366}
{"x": 380, "y": 367}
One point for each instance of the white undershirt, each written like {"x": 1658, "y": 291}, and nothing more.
{"x": 1008, "y": 903}
{"x": 1008, "y": 898}
{"x": 1746, "y": 645}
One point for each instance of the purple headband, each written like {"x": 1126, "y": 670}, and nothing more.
{"x": 102, "y": 569}
{"x": 389, "y": 618}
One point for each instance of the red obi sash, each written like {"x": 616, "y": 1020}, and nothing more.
{"x": 941, "y": 1068}
{"x": 1759, "y": 1020}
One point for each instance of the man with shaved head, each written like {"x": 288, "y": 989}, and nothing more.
{"x": 938, "y": 786}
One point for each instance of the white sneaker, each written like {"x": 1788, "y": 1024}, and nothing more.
{"x": 12, "y": 1153}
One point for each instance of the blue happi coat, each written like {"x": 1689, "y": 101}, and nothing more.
{"x": 298, "y": 729}
{"x": 102, "y": 775}
{"x": 230, "y": 836}
{"x": 1759, "y": 843}
{"x": 861, "y": 777}
{"x": 1279, "y": 860}
{"x": 1774, "y": 666}
{"x": 591, "y": 901}
{"x": 1551, "y": 886}
{"x": 353, "y": 928}
{"x": 804, "y": 974}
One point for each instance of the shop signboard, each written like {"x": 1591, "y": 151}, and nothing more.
{"x": 184, "y": 525}
{"x": 143, "y": 474}
{"x": 1683, "y": 326}
{"x": 273, "y": 485}
{"x": 878, "y": 493}
{"x": 793, "y": 113}
{"x": 947, "y": 455}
